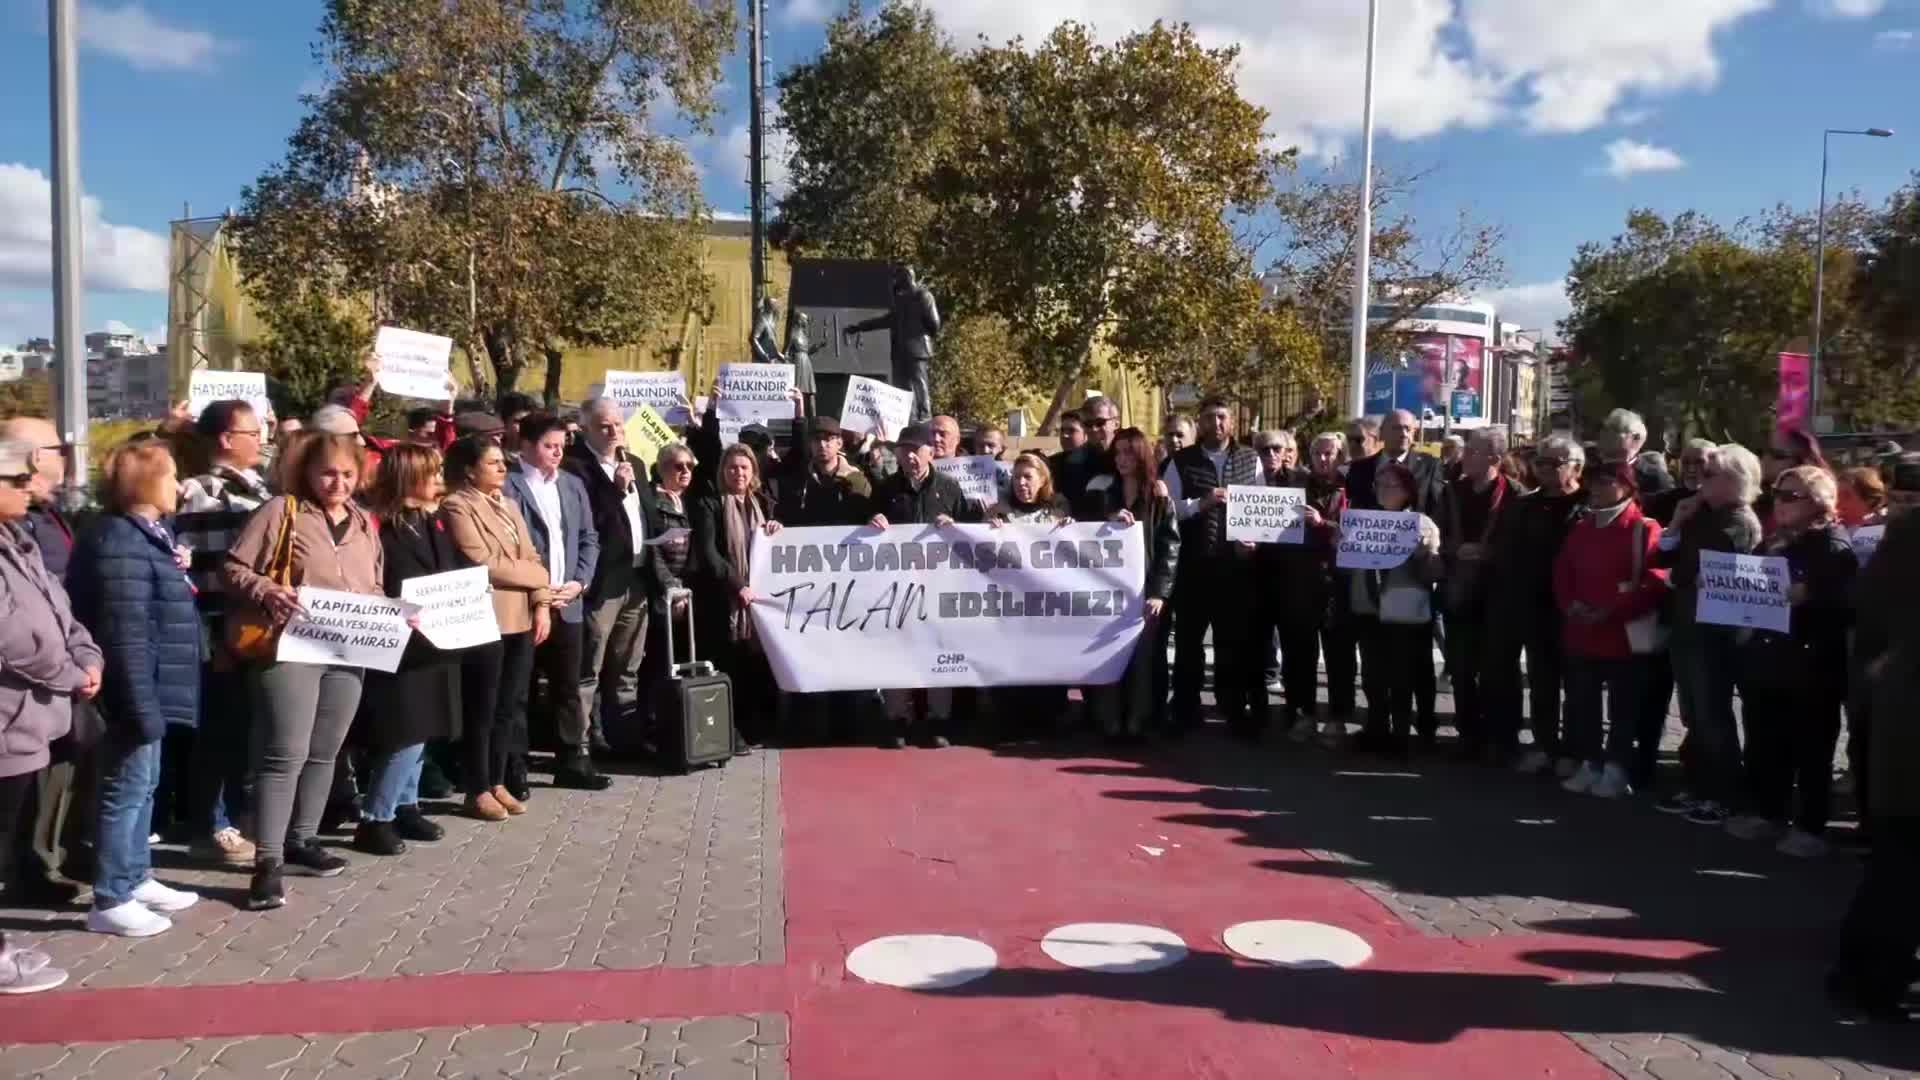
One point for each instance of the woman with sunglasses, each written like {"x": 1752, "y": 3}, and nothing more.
{"x": 1792, "y": 684}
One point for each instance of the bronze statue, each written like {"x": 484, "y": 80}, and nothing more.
{"x": 913, "y": 323}
{"x": 800, "y": 350}
{"x": 766, "y": 347}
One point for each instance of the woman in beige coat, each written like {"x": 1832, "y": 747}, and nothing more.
{"x": 488, "y": 529}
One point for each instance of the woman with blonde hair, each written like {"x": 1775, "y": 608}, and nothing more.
{"x": 1137, "y": 704}
{"x": 488, "y": 529}
{"x": 419, "y": 702}
{"x": 724, "y": 526}
{"x": 1030, "y": 500}
{"x": 303, "y": 711}
{"x": 129, "y": 589}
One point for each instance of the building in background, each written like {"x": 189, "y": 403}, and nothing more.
{"x": 1444, "y": 368}
{"x": 1516, "y": 370}
{"x": 127, "y": 378}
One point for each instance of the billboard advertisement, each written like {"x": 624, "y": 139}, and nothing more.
{"x": 1436, "y": 373}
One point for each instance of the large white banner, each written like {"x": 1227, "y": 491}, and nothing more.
{"x": 1376, "y": 539}
{"x": 1744, "y": 590}
{"x": 873, "y": 406}
{"x": 413, "y": 364}
{"x": 348, "y": 629}
{"x": 1266, "y": 515}
{"x": 207, "y": 387}
{"x": 664, "y": 391}
{"x": 971, "y": 605}
{"x": 456, "y": 608}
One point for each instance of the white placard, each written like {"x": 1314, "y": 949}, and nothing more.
{"x": 1744, "y": 590}
{"x": 207, "y": 387}
{"x": 413, "y": 364}
{"x": 456, "y": 608}
{"x": 978, "y": 476}
{"x": 967, "y": 605}
{"x": 754, "y": 392}
{"x": 665, "y": 391}
{"x": 1265, "y": 515}
{"x": 1866, "y": 541}
{"x": 873, "y": 406}
{"x": 1376, "y": 539}
{"x": 348, "y": 629}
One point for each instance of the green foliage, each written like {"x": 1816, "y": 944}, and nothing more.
{"x": 310, "y": 348}
{"x": 981, "y": 375}
{"x": 486, "y": 169}
{"x": 29, "y": 395}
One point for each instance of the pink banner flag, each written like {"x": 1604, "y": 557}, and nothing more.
{"x": 1791, "y": 408}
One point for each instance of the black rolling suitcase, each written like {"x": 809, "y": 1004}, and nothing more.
{"x": 695, "y": 706}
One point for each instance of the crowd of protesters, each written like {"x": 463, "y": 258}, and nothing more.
{"x": 1558, "y": 584}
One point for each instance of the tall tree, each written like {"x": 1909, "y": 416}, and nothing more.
{"x": 487, "y": 169}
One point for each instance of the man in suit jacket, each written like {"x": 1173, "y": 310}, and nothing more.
{"x": 560, "y": 517}
{"x": 629, "y": 581}
{"x": 1083, "y": 474}
{"x": 1396, "y": 444}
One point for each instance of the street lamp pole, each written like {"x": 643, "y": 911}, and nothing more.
{"x": 1820, "y": 263}
{"x": 69, "y": 345}
{"x": 1363, "y": 225}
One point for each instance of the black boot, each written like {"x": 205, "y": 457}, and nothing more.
{"x": 378, "y": 838}
{"x": 516, "y": 782}
{"x": 434, "y": 783}
{"x": 266, "y": 892}
{"x": 411, "y": 824}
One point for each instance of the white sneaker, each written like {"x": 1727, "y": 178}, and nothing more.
{"x": 1802, "y": 844}
{"x": 1566, "y": 767}
{"x": 1533, "y": 763}
{"x": 160, "y": 898}
{"x": 1752, "y": 827}
{"x": 1613, "y": 783}
{"x": 1581, "y": 781}
{"x": 131, "y": 919}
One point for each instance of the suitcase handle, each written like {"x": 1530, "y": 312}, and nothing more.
{"x": 693, "y": 666}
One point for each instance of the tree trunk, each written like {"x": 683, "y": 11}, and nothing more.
{"x": 552, "y": 389}
{"x": 1059, "y": 403}
{"x": 503, "y": 351}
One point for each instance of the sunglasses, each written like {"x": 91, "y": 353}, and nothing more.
{"x": 1550, "y": 462}
{"x": 1273, "y": 449}
{"x": 20, "y": 481}
{"x": 1783, "y": 495}
{"x": 680, "y": 466}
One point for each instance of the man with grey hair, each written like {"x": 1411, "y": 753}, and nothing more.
{"x": 1082, "y": 475}
{"x": 1471, "y": 509}
{"x": 1622, "y": 435}
{"x": 1522, "y": 616}
{"x": 629, "y": 580}
{"x": 1363, "y": 439}
{"x": 1452, "y": 449}
{"x": 1397, "y": 433}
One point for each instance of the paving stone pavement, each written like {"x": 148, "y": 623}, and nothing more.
{"x": 679, "y": 871}
{"x": 751, "y": 1047}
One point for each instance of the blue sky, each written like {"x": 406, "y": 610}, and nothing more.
{"x": 1551, "y": 119}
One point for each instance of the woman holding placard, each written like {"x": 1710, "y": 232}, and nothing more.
{"x": 1792, "y": 684}
{"x": 421, "y": 701}
{"x": 1394, "y": 612}
{"x": 1705, "y": 657}
{"x": 1030, "y": 500}
{"x": 313, "y": 536}
{"x": 1138, "y": 702}
{"x": 489, "y": 531}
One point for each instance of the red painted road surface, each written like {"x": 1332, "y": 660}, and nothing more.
{"x": 1000, "y": 849}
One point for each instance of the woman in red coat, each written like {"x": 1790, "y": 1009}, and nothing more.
{"x": 1603, "y": 582}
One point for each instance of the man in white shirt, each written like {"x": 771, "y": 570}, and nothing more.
{"x": 629, "y": 583}
{"x": 559, "y": 517}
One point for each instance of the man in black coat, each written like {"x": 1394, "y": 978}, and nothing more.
{"x": 1214, "y": 585}
{"x": 918, "y": 495}
{"x": 629, "y": 580}
{"x": 829, "y": 490}
{"x": 1082, "y": 475}
{"x": 1397, "y": 431}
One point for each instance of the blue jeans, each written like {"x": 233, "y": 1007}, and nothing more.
{"x": 129, "y": 774}
{"x": 217, "y": 778}
{"x": 1705, "y": 666}
{"x": 393, "y": 781}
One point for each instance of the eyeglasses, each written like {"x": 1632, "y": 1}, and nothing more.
{"x": 679, "y": 466}
{"x": 19, "y": 481}
{"x": 1273, "y": 449}
{"x": 1551, "y": 462}
{"x": 1787, "y": 495}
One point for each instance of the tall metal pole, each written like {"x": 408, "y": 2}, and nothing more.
{"x": 756, "y": 152}
{"x": 1819, "y": 289}
{"x": 69, "y": 344}
{"x": 1363, "y": 242}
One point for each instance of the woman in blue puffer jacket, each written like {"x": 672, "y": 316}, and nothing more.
{"x": 129, "y": 589}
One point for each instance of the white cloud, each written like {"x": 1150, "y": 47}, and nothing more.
{"x": 1847, "y": 9}
{"x": 724, "y": 155}
{"x": 115, "y": 257}
{"x": 1626, "y": 157}
{"x": 805, "y": 12}
{"x": 1442, "y": 64}
{"x": 1895, "y": 40}
{"x": 1538, "y": 306}
{"x": 145, "y": 42}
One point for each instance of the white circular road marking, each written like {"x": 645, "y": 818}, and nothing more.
{"x": 922, "y": 961}
{"x": 1118, "y": 948}
{"x": 1292, "y": 943}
